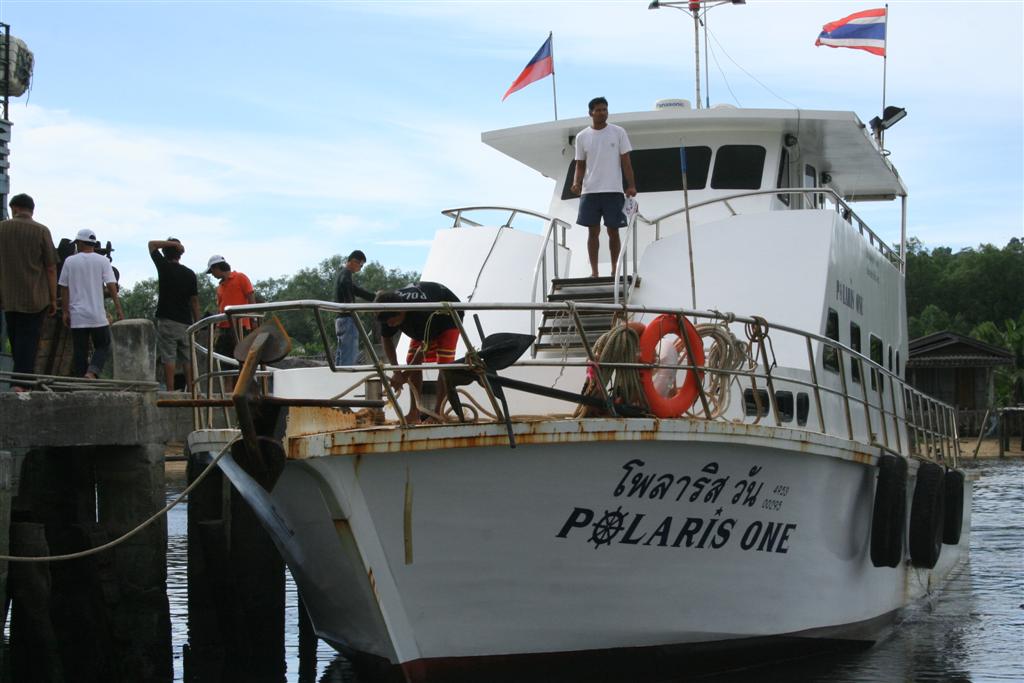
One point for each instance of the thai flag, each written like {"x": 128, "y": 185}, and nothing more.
{"x": 861, "y": 31}
{"x": 540, "y": 66}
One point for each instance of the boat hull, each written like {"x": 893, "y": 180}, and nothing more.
{"x": 623, "y": 549}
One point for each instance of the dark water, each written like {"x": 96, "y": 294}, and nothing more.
{"x": 972, "y": 631}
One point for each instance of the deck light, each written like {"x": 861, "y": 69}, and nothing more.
{"x": 890, "y": 117}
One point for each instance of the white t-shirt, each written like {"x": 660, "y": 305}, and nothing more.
{"x": 85, "y": 275}
{"x": 602, "y": 150}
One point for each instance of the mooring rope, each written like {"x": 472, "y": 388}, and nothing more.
{"x": 133, "y": 532}
{"x": 725, "y": 353}
{"x": 621, "y": 344}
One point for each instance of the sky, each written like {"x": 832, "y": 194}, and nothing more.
{"x": 278, "y": 134}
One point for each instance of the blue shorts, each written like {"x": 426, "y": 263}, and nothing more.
{"x": 596, "y": 205}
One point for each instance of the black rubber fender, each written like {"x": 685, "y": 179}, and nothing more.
{"x": 954, "y": 518}
{"x": 888, "y": 517}
{"x": 927, "y": 515}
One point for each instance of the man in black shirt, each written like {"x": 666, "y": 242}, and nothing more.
{"x": 177, "y": 307}
{"x": 433, "y": 335}
{"x": 345, "y": 292}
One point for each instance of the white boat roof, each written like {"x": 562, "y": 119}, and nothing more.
{"x": 858, "y": 168}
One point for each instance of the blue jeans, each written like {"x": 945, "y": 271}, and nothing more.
{"x": 80, "y": 337}
{"x": 347, "y": 352}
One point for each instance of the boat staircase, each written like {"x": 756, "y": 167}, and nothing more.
{"x": 558, "y": 330}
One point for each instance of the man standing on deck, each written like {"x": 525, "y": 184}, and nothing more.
{"x": 177, "y": 307}
{"x": 433, "y": 336}
{"x": 345, "y": 292}
{"x": 83, "y": 280}
{"x": 28, "y": 281}
{"x": 234, "y": 289}
{"x": 602, "y": 161}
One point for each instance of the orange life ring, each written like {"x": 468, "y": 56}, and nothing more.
{"x": 684, "y": 397}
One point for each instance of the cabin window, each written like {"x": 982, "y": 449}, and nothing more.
{"x": 890, "y": 358}
{"x": 738, "y": 167}
{"x": 803, "y": 406}
{"x": 830, "y": 358}
{"x": 783, "y": 179}
{"x": 898, "y": 364}
{"x": 855, "y": 364}
{"x": 811, "y": 201}
{"x": 659, "y": 170}
{"x": 876, "y": 356}
{"x": 784, "y": 401}
{"x": 750, "y": 404}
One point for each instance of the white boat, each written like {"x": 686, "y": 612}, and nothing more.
{"x": 805, "y": 496}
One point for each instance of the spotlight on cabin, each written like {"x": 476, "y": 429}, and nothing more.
{"x": 889, "y": 118}
{"x": 790, "y": 140}
{"x": 826, "y": 178}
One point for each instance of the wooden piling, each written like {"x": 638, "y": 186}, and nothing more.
{"x": 236, "y": 584}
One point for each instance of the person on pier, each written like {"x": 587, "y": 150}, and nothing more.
{"x": 83, "y": 279}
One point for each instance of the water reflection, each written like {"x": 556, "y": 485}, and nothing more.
{"x": 972, "y": 631}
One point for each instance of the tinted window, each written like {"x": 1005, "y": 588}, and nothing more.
{"x": 803, "y": 405}
{"x": 783, "y": 178}
{"x": 831, "y": 355}
{"x": 784, "y": 401}
{"x": 855, "y": 364}
{"x": 738, "y": 167}
{"x": 750, "y": 403}
{"x": 876, "y": 356}
{"x": 660, "y": 170}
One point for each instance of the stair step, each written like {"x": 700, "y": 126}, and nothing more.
{"x": 592, "y": 297}
{"x": 605, "y": 280}
{"x": 601, "y": 326}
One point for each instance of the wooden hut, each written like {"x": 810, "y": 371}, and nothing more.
{"x": 958, "y": 370}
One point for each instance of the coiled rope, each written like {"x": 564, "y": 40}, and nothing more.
{"x": 136, "y": 530}
{"x": 726, "y": 353}
{"x": 621, "y": 344}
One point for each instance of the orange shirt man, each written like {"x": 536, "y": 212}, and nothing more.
{"x": 234, "y": 289}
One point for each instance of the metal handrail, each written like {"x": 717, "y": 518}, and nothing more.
{"x": 459, "y": 219}
{"x": 929, "y": 424}
{"x": 841, "y": 207}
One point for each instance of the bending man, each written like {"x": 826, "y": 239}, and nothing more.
{"x": 433, "y": 336}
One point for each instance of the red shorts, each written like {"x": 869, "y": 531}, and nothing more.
{"x": 441, "y": 348}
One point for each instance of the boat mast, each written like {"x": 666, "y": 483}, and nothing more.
{"x": 696, "y": 9}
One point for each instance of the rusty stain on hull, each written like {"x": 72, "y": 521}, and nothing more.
{"x": 380, "y": 440}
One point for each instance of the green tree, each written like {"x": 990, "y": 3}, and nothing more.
{"x": 317, "y": 283}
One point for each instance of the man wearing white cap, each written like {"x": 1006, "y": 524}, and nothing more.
{"x": 234, "y": 289}
{"x": 82, "y": 281}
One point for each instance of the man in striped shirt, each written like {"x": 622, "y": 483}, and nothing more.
{"x": 28, "y": 281}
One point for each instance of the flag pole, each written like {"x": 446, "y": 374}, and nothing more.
{"x": 554, "y": 93}
{"x": 885, "y": 62}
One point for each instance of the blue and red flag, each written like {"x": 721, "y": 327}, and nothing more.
{"x": 861, "y": 31}
{"x": 540, "y": 66}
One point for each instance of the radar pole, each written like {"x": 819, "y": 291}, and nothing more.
{"x": 696, "y": 9}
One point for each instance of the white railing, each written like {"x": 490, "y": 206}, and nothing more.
{"x": 819, "y": 194}
{"x": 876, "y": 407}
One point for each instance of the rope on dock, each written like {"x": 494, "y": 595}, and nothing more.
{"x": 133, "y": 532}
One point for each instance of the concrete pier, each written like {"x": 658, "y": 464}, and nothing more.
{"x": 91, "y": 468}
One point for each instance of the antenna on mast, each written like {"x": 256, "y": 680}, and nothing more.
{"x": 697, "y": 9}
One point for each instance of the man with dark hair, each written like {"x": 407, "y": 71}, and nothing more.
{"x": 83, "y": 279}
{"x": 177, "y": 307}
{"x": 433, "y": 335}
{"x": 28, "y": 281}
{"x": 602, "y": 161}
{"x": 234, "y": 289}
{"x": 345, "y": 292}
